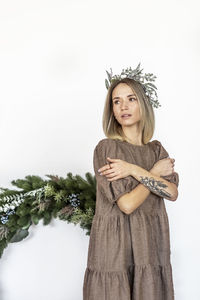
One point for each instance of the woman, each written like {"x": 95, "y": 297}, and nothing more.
{"x": 129, "y": 248}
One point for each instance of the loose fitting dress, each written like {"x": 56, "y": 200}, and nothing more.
{"x": 128, "y": 254}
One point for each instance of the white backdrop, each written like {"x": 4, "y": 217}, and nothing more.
{"x": 53, "y": 57}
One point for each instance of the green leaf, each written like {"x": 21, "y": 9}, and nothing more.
{"x": 23, "y": 221}
{"x": 19, "y": 235}
{"x": 35, "y": 219}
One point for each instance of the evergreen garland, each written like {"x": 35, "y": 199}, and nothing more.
{"x": 71, "y": 199}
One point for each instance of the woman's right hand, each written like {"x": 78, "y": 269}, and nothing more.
{"x": 163, "y": 167}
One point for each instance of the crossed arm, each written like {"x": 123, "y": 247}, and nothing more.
{"x": 149, "y": 182}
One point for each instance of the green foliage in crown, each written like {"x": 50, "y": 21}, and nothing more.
{"x": 136, "y": 74}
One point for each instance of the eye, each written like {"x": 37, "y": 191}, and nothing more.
{"x": 115, "y": 101}
{"x": 133, "y": 98}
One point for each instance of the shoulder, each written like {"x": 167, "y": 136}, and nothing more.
{"x": 109, "y": 147}
{"x": 105, "y": 143}
{"x": 156, "y": 143}
{"x": 159, "y": 149}
{"x": 156, "y": 146}
{"x": 104, "y": 148}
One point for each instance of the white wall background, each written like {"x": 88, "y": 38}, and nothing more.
{"x": 53, "y": 57}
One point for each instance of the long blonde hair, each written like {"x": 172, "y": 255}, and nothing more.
{"x": 112, "y": 129}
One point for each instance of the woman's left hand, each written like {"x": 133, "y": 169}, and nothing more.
{"x": 118, "y": 169}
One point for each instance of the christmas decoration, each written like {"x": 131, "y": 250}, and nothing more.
{"x": 70, "y": 199}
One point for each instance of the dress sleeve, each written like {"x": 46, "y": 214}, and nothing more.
{"x": 112, "y": 190}
{"x": 161, "y": 153}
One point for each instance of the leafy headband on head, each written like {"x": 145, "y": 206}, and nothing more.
{"x": 136, "y": 74}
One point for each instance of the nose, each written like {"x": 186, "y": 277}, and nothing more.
{"x": 124, "y": 105}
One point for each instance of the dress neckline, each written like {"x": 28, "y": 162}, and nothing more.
{"x": 134, "y": 145}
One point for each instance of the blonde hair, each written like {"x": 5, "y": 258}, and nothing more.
{"x": 112, "y": 129}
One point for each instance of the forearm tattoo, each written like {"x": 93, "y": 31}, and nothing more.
{"x": 155, "y": 186}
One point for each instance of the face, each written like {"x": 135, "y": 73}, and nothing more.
{"x": 124, "y": 102}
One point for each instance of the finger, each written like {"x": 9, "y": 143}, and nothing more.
{"x": 109, "y": 172}
{"x": 112, "y": 159}
{"x": 113, "y": 178}
{"x": 104, "y": 168}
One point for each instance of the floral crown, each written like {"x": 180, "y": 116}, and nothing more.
{"x": 136, "y": 74}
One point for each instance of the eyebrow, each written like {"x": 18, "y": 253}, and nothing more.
{"x": 127, "y": 96}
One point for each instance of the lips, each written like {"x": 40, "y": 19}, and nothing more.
{"x": 126, "y": 115}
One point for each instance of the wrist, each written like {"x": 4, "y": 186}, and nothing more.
{"x": 153, "y": 171}
{"x": 133, "y": 170}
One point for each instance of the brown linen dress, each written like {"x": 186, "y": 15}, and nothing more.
{"x": 128, "y": 255}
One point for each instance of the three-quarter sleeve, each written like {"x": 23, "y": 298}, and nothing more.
{"x": 161, "y": 153}
{"x": 111, "y": 190}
